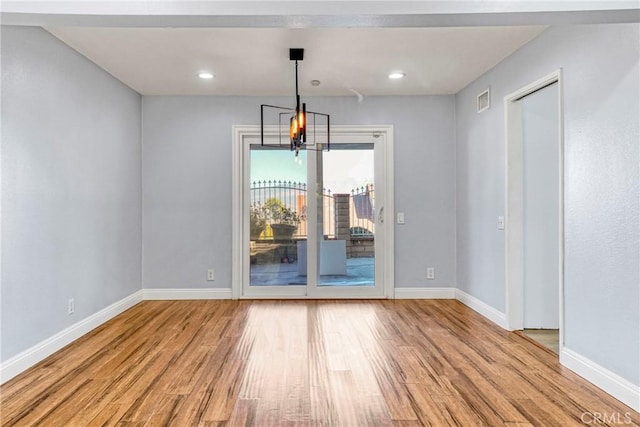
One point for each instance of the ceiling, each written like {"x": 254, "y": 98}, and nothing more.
{"x": 157, "y": 46}
{"x": 255, "y": 61}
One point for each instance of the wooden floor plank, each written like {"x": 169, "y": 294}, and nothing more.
{"x": 302, "y": 364}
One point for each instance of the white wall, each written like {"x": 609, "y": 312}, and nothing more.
{"x": 187, "y": 183}
{"x": 602, "y": 277}
{"x": 71, "y": 195}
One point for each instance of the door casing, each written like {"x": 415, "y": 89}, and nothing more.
{"x": 514, "y": 254}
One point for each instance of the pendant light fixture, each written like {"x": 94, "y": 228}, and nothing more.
{"x": 297, "y": 117}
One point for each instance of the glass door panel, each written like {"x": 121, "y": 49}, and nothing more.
{"x": 346, "y": 253}
{"x": 277, "y": 217}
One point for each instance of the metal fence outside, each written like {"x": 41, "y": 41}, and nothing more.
{"x": 293, "y": 197}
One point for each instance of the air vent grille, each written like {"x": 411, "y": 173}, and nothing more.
{"x": 484, "y": 100}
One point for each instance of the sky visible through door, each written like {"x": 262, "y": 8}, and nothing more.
{"x": 344, "y": 170}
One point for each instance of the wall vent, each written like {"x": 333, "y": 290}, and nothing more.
{"x": 484, "y": 100}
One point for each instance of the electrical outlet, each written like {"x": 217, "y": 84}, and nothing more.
{"x": 211, "y": 275}
{"x": 431, "y": 273}
{"x": 500, "y": 223}
{"x": 70, "y": 306}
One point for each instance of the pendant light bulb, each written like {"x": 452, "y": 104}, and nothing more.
{"x": 293, "y": 130}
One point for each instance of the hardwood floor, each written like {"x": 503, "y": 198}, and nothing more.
{"x": 304, "y": 363}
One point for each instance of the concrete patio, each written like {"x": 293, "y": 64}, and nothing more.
{"x": 360, "y": 272}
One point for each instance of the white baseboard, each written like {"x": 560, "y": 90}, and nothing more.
{"x": 616, "y": 386}
{"x": 23, "y": 361}
{"x": 483, "y": 308}
{"x": 472, "y": 302}
{"x": 183, "y": 294}
{"x": 424, "y": 293}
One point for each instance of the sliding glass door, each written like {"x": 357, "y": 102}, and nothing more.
{"x": 314, "y": 222}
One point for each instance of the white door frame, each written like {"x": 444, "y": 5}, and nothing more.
{"x": 240, "y": 178}
{"x": 514, "y": 239}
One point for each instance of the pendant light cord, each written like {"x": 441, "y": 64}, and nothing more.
{"x": 296, "y": 78}
{"x": 297, "y": 94}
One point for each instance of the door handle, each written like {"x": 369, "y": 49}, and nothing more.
{"x": 380, "y": 216}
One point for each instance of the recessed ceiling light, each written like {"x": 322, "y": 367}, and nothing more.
{"x": 396, "y": 75}
{"x": 205, "y": 75}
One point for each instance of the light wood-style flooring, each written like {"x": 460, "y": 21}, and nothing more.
{"x": 303, "y": 363}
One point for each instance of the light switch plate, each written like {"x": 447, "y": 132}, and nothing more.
{"x": 400, "y": 217}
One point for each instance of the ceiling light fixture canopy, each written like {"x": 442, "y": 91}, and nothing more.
{"x": 297, "y": 116}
